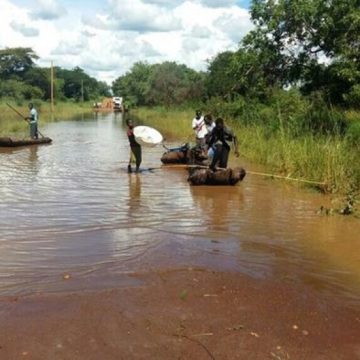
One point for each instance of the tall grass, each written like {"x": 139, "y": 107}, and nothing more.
{"x": 12, "y": 123}
{"x": 174, "y": 124}
{"x": 330, "y": 159}
{"x": 317, "y": 158}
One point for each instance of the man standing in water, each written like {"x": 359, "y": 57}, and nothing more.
{"x": 198, "y": 125}
{"x": 33, "y": 121}
{"x": 218, "y": 139}
{"x": 134, "y": 146}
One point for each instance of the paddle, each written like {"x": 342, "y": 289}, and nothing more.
{"x": 24, "y": 118}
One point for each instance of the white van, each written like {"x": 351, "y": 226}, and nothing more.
{"x": 117, "y": 101}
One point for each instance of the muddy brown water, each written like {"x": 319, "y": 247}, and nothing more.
{"x": 70, "y": 208}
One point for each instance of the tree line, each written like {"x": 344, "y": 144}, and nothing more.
{"x": 312, "y": 46}
{"x": 21, "y": 79}
{"x": 299, "y": 69}
{"x": 302, "y": 59}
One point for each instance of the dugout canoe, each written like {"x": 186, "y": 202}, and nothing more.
{"x": 203, "y": 176}
{"x": 13, "y": 142}
{"x": 185, "y": 154}
{"x": 178, "y": 155}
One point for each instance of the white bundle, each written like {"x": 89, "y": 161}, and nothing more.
{"x": 146, "y": 135}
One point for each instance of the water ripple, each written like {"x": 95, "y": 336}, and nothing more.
{"x": 72, "y": 207}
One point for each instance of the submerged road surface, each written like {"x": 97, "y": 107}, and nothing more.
{"x": 71, "y": 209}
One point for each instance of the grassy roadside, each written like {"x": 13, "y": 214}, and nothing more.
{"x": 329, "y": 159}
{"x": 11, "y": 123}
{"x": 173, "y": 124}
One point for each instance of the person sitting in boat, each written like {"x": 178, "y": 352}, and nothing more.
{"x": 219, "y": 138}
{"x": 198, "y": 125}
{"x": 33, "y": 121}
{"x": 210, "y": 125}
{"x": 134, "y": 146}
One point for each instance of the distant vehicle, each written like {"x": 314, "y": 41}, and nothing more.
{"x": 117, "y": 101}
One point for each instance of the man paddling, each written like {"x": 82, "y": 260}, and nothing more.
{"x": 33, "y": 121}
{"x": 134, "y": 146}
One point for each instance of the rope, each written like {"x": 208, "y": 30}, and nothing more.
{"x": 285, "y": 177}
{"x": 248, "y": 172}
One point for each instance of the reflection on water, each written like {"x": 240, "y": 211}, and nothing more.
{"x": 72, "y": 207}
{"x": 134, "y": 194}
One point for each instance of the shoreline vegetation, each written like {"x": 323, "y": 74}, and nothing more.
{"x": 331, "y": 159}
{"x": 11, "y": 123}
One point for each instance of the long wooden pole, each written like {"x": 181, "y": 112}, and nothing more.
{"x": 24, "y": 118}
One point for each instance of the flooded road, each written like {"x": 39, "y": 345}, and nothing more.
{"x": 71, "y": 208}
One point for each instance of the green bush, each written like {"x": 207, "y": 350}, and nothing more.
{"x": 353, "y": 98}
{"x": 19, "y": 90}
{"x": 353, "y": 134}
{"x": 321, "y": 119}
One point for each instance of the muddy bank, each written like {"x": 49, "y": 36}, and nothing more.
{"x": 180, "y": 314}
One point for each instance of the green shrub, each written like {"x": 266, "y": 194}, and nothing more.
{"x": 353, "y": 134}
{"x": 19, "y": 90}
{"x": 353, "y": 98}
{"x": 321, "y": 119}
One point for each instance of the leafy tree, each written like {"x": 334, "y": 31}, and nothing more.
{"x": 103, "y": 89}
{"x": 171, "y": 84}
{"x": 78, "y": 85}
{"x": 15, "y": 62}
{"x": 39, "y": 77}
{"x": 160, "y": 84}
{"x": 220, "y": 80}
{"x": 309, "y": 38}
{"x": 19, "y": 90}
{"x": 134, "y": 85}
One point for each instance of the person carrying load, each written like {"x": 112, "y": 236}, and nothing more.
{"x": 218, "y": 140}
{"x": 134, "y": 146}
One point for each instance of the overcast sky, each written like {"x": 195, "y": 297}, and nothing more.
{"x": 106, "y": 37}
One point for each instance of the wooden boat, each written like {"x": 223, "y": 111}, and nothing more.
{"x": 12, "y": 142}
{"x": 206, "y": 176}
{"x": 185, "y": 155}
{"x": 174, "y": 157}
{"x": 178, "y": 155}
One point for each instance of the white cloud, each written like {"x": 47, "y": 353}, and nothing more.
{"x": 201, "y": 32}
{"x": 11, "y": 15}
{"x": 87, "y": 33}
{"x": 48, "y": 10}
{"x": 107, "y": 40}
{"x": 23, "y": 29}
{"x": 218, "y": 3}
{"x": 234, "y": 24}
{"x": 74, "y": 46}
{"x": 165, "y": 3}
{"x": 135, "y": 15}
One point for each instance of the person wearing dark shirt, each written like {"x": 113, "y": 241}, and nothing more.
{"x": 219, "y": 138}
{"x": 134, "y": 146}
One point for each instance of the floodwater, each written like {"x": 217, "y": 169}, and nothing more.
{"x": 70, "y": 208}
